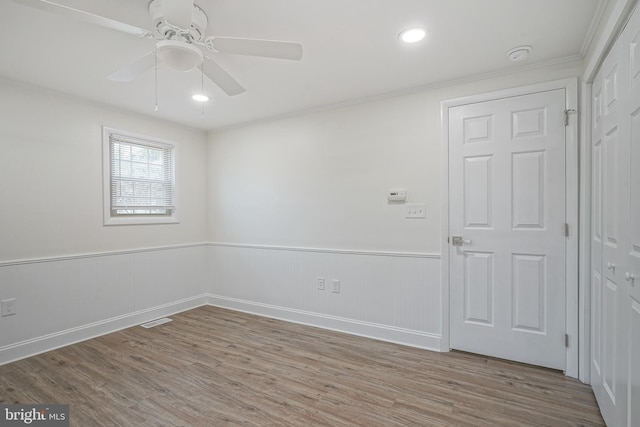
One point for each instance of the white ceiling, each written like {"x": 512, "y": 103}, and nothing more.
{"x": 351, "y": 50}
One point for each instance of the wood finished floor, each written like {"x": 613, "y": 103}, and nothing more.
{"x": 215, "y": 367}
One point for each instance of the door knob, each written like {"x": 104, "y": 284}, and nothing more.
{"x": 611, "y": 266}
{"x": 629, "y": 277}
{"x": 459, "y": 241}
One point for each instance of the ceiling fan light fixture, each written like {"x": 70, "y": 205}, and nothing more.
{"x": 412, "y": 35}
{"x": 179, "y": 55}
{"x": 200, "y": 97}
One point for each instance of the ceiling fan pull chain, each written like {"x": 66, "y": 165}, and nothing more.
{"x": 156, "y": 84}
{"x": 202, "y": 85}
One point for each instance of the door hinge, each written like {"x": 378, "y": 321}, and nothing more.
{"x": 566, "y": 115}
{"x": 566, "y": 340}
{"x": 566, "y": 229}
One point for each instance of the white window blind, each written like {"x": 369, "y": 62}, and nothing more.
{"x": 142, "y": 176}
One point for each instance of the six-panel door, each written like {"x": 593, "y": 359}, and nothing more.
{"x": 507, "y": 197}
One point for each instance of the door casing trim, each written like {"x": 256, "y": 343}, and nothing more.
{"x": 575, "y": 319}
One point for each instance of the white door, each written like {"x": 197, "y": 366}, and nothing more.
{"x": 507, "y": 203}
{"x": 597, "y": 274}
{"x": 607, "y": 233}
{"x": 632, "y": 273}
{"x": 615, "y": 356}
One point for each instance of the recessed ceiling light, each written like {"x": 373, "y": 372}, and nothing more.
{"x": 200, "y": 97}
{"x": 412, "y": 35}
{"x": 519, "y": 53}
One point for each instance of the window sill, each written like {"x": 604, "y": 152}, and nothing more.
{"x": 145, "y": 220}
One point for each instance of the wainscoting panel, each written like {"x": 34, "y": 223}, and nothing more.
{"x": 390, "y": 296}
{"x": 67, "y": 299}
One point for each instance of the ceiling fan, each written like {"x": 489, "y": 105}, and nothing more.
{"x": 179, "y": 27}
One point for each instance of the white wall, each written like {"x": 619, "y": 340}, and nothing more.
{"x": 64, "y": 300}
{"x": 311, "y": 181}
{"x": 303, "y": 197}
{"x": 319, "y": 180}
{"x": 386, "y": 296}
{"x": 72, "y": 277}
{"x": 51, "y": 177}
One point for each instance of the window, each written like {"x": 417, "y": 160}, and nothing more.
{"x": 139, "y": 179}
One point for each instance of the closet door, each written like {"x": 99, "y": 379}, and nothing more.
{"x": 615, "y": 364}
{"x": 604, "y": 400}
{"x": 607, "y": 360}
{"x": 631, "y": 37}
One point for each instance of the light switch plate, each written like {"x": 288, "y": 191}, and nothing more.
{"x": 415, "y": 210}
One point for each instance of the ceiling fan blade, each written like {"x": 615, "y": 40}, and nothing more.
{"x": 178, "y": 12}
{"x": 131, "y": 71}
{"x": 221, "y": 78}
{"x": 88, "y": 17}
{"x": 255, "y": 47}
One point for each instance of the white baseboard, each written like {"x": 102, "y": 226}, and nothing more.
{"x": 31, "y": 347}
{"x": 387, "y": 333}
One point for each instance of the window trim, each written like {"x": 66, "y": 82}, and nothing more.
{"x": 135, "y": 219}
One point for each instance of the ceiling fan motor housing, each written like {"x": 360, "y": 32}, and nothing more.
{"x": 196, "y": 32}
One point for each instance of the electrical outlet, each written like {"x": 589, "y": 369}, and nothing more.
{"x": 336, "y": 286}
{"x": 8, "y": 307}
{"x": 320, "y": 282}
